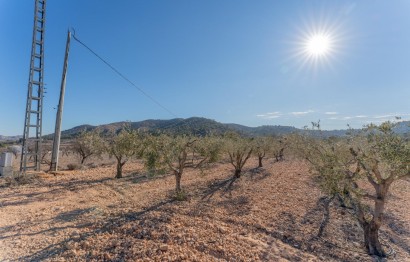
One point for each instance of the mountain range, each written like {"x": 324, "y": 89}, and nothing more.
{"x": 200, "y": 126}
{"x": 203, "y": 126}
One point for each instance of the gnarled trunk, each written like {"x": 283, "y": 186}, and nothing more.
{"x": 260, "y": 161}
{"x": 279, "y": 155}
{"x": 371, "y": 228}
{"x": 83, "y": 158}
{"x": 371, "y": 239}
{"x": 178, "y": 188}
{"x": 119, "y": 169}
{"x": 237, "y": 173}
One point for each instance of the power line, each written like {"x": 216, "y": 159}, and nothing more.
{"x": 180, "y": 121}
{"x": 124, "y": 77}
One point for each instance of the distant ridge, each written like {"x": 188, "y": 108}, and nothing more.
{"x": 9, "y": 138}
{"x": 204, "y": 126}
{"x": 194, "y": 125}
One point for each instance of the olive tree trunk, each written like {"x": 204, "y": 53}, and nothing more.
{"x": 178, "y": 188}
{"x": 371, "y": 239}
{"x": 120, "y": 164}
{"x": 238, "y": 160}
{"x": 371, "y": 228}
{"x": 238, "y": 173}
{"x": 83, "y": 158}
{"x": 260, "y": 158}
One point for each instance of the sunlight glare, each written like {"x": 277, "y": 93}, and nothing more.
{"x": 318, "y": 45}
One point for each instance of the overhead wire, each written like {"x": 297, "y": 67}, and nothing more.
{"x": 181, "y": 120}
{"x": 123, "y": 76}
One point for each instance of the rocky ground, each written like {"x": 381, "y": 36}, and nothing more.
{"x": 269, "y": 214}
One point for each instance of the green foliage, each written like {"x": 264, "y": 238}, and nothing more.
{"x": 389, "y": 152}
{"x": 239, "y": 149}
{"x": 152, "y": 163}
{"x": 376, "y": 155}
{"x": 209, "y": 148}
{"x": 195, "y": 126}
{"x": 88, "y": 144}
{"x": 124, "y": 146}
{"x": 330, "y": 161}
{"x": 173, "y": 151}
{"x": 269, "y": 146}
{"x": 262, "y": 146}
{"x": 180, "y": 196}
{"x": 179, "y": 152}
{"x": 174, "y": 154}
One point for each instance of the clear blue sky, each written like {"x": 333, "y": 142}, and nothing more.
{"x": 228, "y": 60}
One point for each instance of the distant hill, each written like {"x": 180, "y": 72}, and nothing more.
{"x": 262, "y": 130}
{"x": 203, "y": 126}
{"x": 9, "y": 138}
{"x": 200, "y": 126}
{"x": 194, "y": 125}
{"x": 403, "y": 127}
{"x": 72, "y": 132}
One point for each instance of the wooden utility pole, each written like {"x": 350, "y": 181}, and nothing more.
{"x": 59, "y": 117}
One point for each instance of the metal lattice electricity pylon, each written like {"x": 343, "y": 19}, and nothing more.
{"x": 31, "y": 149}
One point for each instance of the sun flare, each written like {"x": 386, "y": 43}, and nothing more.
{"x": 318, "y": 45}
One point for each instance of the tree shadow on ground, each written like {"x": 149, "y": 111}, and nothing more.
{"x": 108, "y": 225}
{"x": 49, "y": 230}
{"x": 140, "y": 178}
{"x": 71, "y": 185}
{"x": 396, "y": 225}
{"x": 351, "y": 232}
{"x": 396, "y": 231}
{"x": 259, "y": 173}
{"x": 288, "y": 229}
{"x": 320, "y": 215}
{"x": 238, "y": 206}
{"x": 73, "y": 214}
{"x": 224, "y": 186}
{"x": 22, "y": 202}
{"x": 77, "y": 184}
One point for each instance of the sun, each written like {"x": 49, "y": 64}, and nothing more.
{"x": 318, "y": 45}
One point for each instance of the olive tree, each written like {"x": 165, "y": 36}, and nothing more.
{"x": 123, "y": 146}
{"x": 262, "y": 147}
{"x": 45, "y": 157}
{"x": 269, "y": 146}
{"x": 87, "y": 144}
{"x": 178, "y": 153}
{"x": 279, "y": 144}
{"x": 239, "y": 150}
{"x": 152, "y": 157}
{"x": 377, "y": 156}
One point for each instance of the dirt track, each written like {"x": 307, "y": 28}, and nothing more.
{"x": 270, "y": 214}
